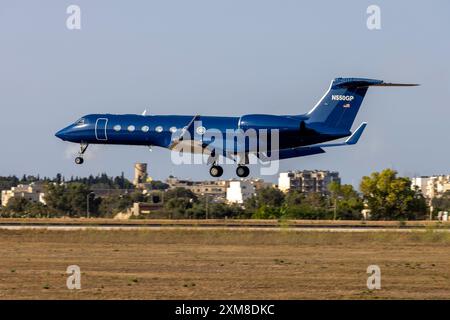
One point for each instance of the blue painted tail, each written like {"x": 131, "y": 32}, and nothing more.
{"x": 339, "y": 106}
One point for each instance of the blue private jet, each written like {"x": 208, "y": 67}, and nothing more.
{"x": 296, "y": 135}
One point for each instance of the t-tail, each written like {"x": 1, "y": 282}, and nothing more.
{"x": 338, "y": 108}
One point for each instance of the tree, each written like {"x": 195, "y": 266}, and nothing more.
{"x": 111, "y": 205}
{"x": 20, "y": 207}
{"x": 391, "y": 198}
{"x": 216, "y": 210}
{"x": 56, "y": 199}
{"x": 8, "y": 182}
{"x": 299, "y": 205}
{"x": 180, "y": 192}
{"x": 442, "y": 203}
{"x": 17, "y": 206}
{"x": 179, "y": 206}
{"x": 267, "y": 212}
{"x": 36, "y": 210}
{"x": 306, "y": 211}
{"x": 294, "y": 198}
{"x": 69, "y": 200}
{"x": 178, "y": 200}
{"x": 77, "y": 195}
{"x": 348, "y": 203}
{"x": 158, "y": 185}
{"x": 267, "y": 196}
{"x": 266, "y": 204}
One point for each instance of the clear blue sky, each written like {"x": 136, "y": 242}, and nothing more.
{"x": 222, "y": 58}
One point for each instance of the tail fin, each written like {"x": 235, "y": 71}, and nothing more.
{"x": 339, "y": 106}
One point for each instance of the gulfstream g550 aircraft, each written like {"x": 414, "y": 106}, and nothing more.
{"x": 235, "y": 137}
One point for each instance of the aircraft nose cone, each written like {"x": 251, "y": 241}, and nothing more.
{"x": 60, "y": 134}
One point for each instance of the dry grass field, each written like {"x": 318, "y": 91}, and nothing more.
{"x": 226, "y": 264}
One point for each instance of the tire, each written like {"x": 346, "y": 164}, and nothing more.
{"x": 216, "y": 171}
{"x": 242, "y": 171}
{"x": 79, "y": 160}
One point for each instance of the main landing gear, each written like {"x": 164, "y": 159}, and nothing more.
{"x": 242, "y": 171}
{"x": 79, "y": 159}
{"x": 217, "y": 171}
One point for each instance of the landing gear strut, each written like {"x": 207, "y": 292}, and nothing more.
{"x": 242, "y": 171}
{"x": 79, "y": 159}
{"x": 216, "y": 171}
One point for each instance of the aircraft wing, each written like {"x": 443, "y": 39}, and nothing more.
{"x": 292, "y": 153}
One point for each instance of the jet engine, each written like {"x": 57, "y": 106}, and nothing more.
{"x": 269, "y": 122}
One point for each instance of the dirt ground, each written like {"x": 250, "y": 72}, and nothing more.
{"x": 228, "y": 264}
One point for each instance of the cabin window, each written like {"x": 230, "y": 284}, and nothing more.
{"x": 201, "y": 130}
{"x": 145, "y": 129}
{"x": 131, "y": 128}
{"x": 117, "y": 127}
{"x": 159, "y": 129}
{"x": 173, "y": 129}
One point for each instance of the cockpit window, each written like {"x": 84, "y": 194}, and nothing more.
{"x": 80, "y": 122}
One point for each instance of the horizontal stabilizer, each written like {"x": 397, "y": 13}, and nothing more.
{"x": 353, "y": 139}
{"x": 396, "y": 85}
{"x": 362, "y": 82}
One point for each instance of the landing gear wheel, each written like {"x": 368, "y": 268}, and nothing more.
{"x": 216, "y": 171}
{"x": 83, "y": 147}
{"x": 242, "y": 171}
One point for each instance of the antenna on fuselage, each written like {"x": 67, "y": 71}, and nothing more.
{"x": 145, "y": 112}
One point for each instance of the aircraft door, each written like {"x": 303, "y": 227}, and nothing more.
{"x": 100, "y": 129}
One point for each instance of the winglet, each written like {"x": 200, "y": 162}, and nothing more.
{"x": 353, "y": 139}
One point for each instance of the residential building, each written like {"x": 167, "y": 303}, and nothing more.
{"x": 420, "y": 183}
{"x": 240, "y": 190}
{"x": 215, "y": 188}
{"x": 219, "y": 190}
{"x": 432, "y": 186}
{"x": 307, "y": 181}
{"x": 33, "y": 192}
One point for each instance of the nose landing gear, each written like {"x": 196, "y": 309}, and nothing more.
{"x": 79, "y": 159}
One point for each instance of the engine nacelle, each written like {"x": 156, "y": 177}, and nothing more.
{"x": 267, "y": 121}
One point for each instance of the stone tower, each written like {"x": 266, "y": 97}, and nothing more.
{"x": 140, "y": 173}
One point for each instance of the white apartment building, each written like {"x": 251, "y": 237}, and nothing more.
{"x": 240, "y": 190}
{"x": 32, "y": 192}
{"x": 307, "y": 180}
{"x": 421, "y": 183}
{"x": 431, "y": 186}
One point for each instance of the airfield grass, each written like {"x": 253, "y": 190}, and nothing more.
{"x": 223, "y": 264}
